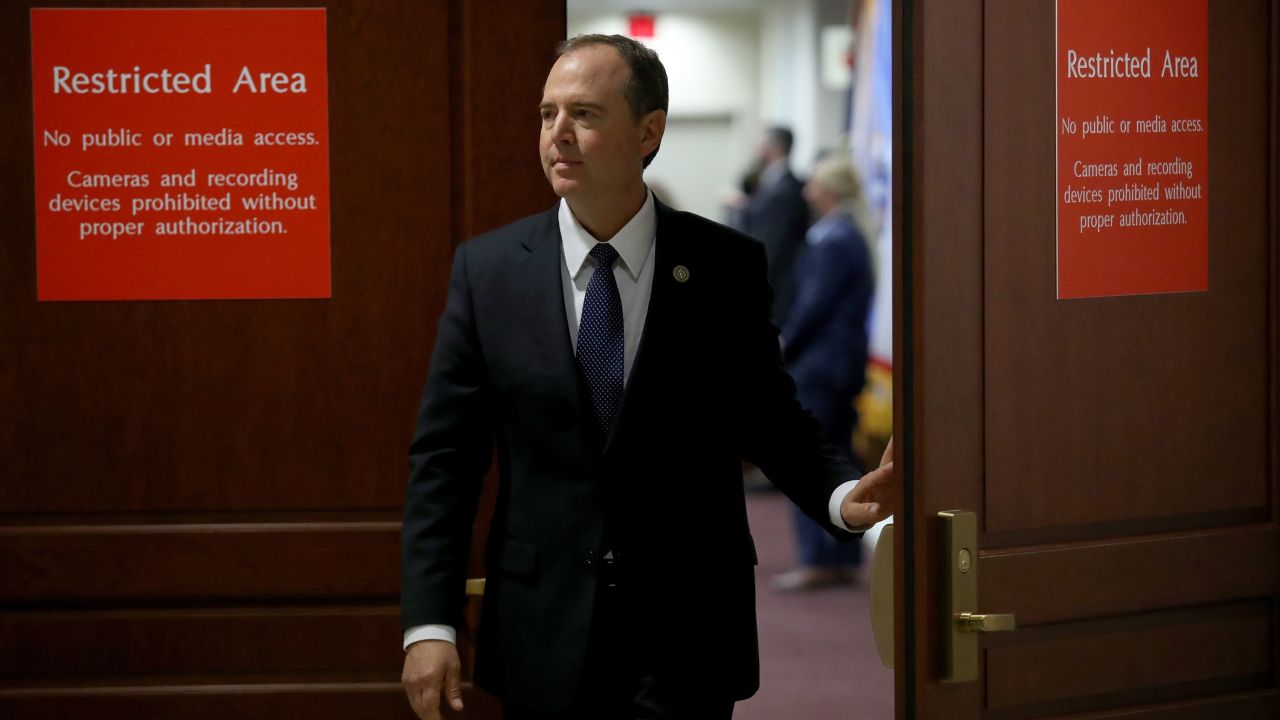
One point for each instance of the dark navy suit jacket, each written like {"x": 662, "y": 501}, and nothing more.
{"x": 778, "y": 216}
{"x": 664, "y": 491}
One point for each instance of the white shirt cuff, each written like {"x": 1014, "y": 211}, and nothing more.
{"x": 418, "y": 633}
{"x": 837, "y": 499}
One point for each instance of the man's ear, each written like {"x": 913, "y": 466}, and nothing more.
{"x": 652, "y": 126}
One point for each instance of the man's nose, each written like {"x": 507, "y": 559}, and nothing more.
{"x": 562, "y": 129}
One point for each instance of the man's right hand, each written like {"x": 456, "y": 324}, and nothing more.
{"x": 432, "y": 673}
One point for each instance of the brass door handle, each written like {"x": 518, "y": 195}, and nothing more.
{"x": 962, "y": 621}
{"x": 976, "y": 623}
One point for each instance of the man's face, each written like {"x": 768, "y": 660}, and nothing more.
{"x": 764, "y": 150}
{"x": 591, "y": 146}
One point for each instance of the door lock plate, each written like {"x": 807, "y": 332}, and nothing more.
{"x": 962, "y": 622}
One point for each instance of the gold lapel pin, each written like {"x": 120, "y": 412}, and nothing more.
{"x": 681, "y": 273}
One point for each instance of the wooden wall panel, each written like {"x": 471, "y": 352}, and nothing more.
{"x": 277, "y": 701}
{"x": 1261, "y": 705}
{"x": 1052, "y": 584}
{"x": 266, "y": 701}
{"x": 79, "y": 565}
{"x": 222, "y": 405}
{"x": 200, "y": 501}
{"x": 500, "y": 171}
{"x": 92, "y": 645}
{"x": 1133, "y": 659}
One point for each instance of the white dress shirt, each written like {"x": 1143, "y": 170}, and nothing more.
{"x": 633, "y": 273}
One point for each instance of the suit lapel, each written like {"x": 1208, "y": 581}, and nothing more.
{"x": 665, "y": 305}
{"x": 547, "y": 321}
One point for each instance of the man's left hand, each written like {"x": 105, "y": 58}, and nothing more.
{"x": 874, "y": 497}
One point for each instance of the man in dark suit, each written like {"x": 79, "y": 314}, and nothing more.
{"x": 775, "y": 213}
{"x": 620, "y": 355}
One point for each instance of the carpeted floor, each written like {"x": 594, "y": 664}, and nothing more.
{"x": 818, "y": 659}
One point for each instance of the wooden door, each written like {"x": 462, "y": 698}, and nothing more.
{"x": 1120, "y": 453}
{"x": 200, "y": 502}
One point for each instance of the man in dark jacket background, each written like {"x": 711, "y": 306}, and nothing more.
{"x": 775, "y": 213}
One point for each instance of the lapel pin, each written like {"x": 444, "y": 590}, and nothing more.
{"x": 681, "y": 273}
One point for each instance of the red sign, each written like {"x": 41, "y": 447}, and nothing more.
{"x": 1133, "y": 147}
{"x": 181, "y": 154}
{"x": 641, "y": 26}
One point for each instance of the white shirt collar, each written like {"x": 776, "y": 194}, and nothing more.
{"x": 633, "y": 242}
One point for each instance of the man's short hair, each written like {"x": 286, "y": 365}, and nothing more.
{"x": 782, "y": 138}
{"x": 646, "y": 88}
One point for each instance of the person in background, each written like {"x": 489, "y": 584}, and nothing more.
{"x": 774, "y": 212}
{"x": 824, "y": 337}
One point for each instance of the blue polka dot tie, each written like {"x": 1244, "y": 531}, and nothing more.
{"x": 600, "y": 338}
